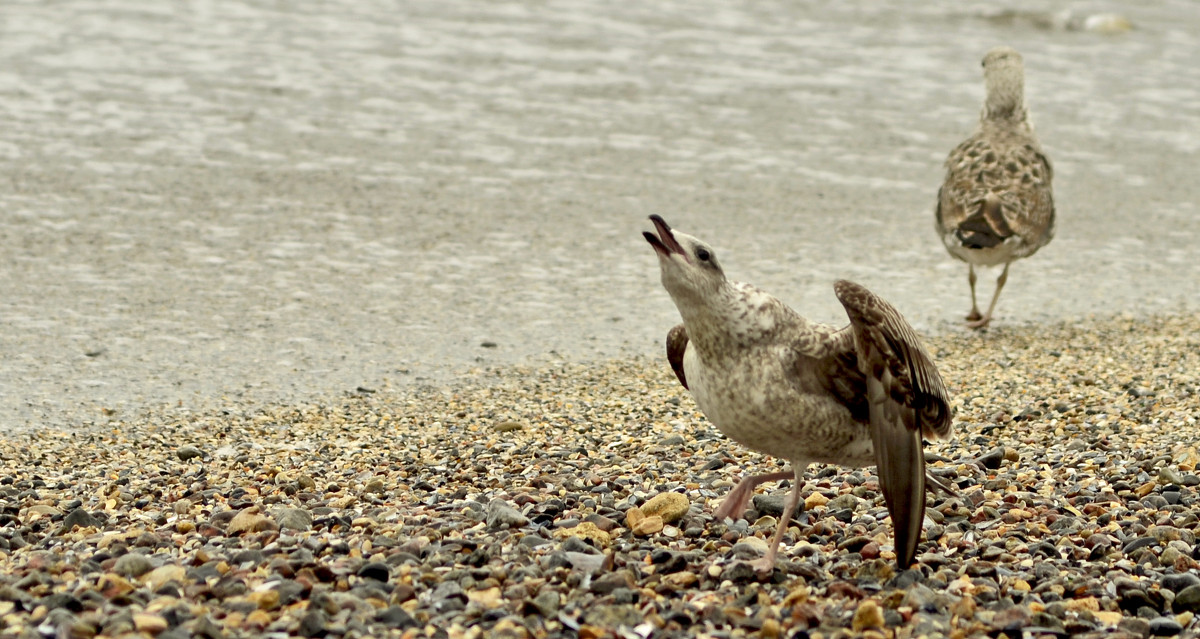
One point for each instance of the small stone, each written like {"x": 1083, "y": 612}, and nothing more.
{"x": 586, "y": 530}
{"x": 671, "y": 507}
{"x": 375, "y": 570}
{"x": 158, "y": 577}
{"x": 396, "y": 617}
{"x": 43, "y": 510}
{"x": 501, "y": 515}
{"x": 78, "y": 517}
{"x": 188, "y": 452}
{"x": 739, "y": 572}
{"x": 375, "y": 486}
{"x": 749, "y": 548}
{"x": 633, "y": 517}
{"x": 132, "y": 565}
{"x": 605, "y": 584}
{"x": 1168, "y": 475}
{"x": 487, "y": 599}
{"x": 843, "y": 502}
{"x": 249, "y": 520}
{"x": 648, "y": 526}
{"x": 507, "y": 427}
{"x": 312, "y": 624}
{"x": 151, "y": 623}
{"x": 683, "y": 579}
{"x": 113, "y": 586}
{"x": 1164, "y": 627}
{"x": 1177, "y": 582}
{"x": 814, "y": 500}
{"x": 546, "y": 602}
{"x": 773, "y": 505}
{"x": 992, "y": 459}
{"x": 868, "y": 615}
{"x": 293, "y": 519}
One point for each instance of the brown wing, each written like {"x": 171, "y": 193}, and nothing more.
{"x": 677, "y": 341}
{"x": 906, "y": 397}
{"x": 997, "y": 186}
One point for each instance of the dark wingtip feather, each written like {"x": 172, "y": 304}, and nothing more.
{"x": 677, "y": 341}
{"x": 900, "y": 462}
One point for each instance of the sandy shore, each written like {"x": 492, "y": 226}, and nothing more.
{"x": 529, "y": 502}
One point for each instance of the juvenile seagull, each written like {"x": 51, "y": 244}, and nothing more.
{"x": 775, "y": 382}
{"x": 995, "y": 205}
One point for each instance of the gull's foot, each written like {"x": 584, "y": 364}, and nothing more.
{"x": 980, "y": 322}
{"x": 973, "y": 316}
{"x": 735, "y": 502}
{"x": 763, "y": 567}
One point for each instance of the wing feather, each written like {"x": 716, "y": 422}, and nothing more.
{"x": 677, "y": 342}
{"x": 907, "y": 399}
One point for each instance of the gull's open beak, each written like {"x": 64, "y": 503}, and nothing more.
{"x": 664, "y": 243}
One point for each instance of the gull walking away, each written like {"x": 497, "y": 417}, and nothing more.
{"x": 995, "y": 205}
{"x": 806, "y": 392}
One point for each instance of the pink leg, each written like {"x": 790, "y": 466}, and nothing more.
{"x": 766, "y": 564}
{"x": 735, "y": 502}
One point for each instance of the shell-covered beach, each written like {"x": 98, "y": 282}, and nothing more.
{"x": 576, "y": 500}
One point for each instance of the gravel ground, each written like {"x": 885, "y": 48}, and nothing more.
{"x": 576, "y": 500}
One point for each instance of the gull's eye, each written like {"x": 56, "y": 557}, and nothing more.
{"x": 702, "y": 255}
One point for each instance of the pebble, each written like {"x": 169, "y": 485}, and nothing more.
{"x": 1076, "y": 509}
{"x": 671, "y": 507}
{"x": 501, "y": 515}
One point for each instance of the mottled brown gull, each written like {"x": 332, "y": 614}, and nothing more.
{"x": 806, "y": 392}
{"x": 995, "y": 205}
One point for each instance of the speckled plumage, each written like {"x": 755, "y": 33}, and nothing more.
{"x": 996, "y": 204}
{"x": 777, "y": 383}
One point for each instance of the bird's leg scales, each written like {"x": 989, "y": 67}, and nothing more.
{"x": 987, "y": 317}
{"x": 735, "y": 502}
{"x": 974, "y": 315}
{"x": 764, "y": 566}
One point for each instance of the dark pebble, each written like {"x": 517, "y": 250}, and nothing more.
{"x": 1187, "y": 599}
{"x": 375, "y": 570}
{"x": 313, "y": 623}
{"x": 992, "y": 459}
{"x": 739, "y": 572}
{"x": 1137, "y": 544}
{"x": 1164, "y": 627}
{"x": 1176, "y": 582}
{"x": 62, "y": 600}
{"x": 78, "y": 517}
{"x": 396, "y": 617}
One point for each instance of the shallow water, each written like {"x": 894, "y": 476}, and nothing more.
{"x": 226, "y": 201}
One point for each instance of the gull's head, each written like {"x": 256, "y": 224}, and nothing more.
{"x": 1004, "y": 77}
{"x": 689, "y": 266}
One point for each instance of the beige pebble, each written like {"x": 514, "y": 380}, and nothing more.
{"x": 249, "y": 520}
{"x": 150, "y": 623}
{"x": 650, "y": 525}
{"x": 814, "y": 500}
{"x": 163, "y": 574}
{"x": 488, "y": 598}
{"x": 633, "y": 517}
{"x": 586, "y": 530}
{"x": 670, "y": 506}
{"x": 868, "y": 615}
{"x": 683, "y": 579}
